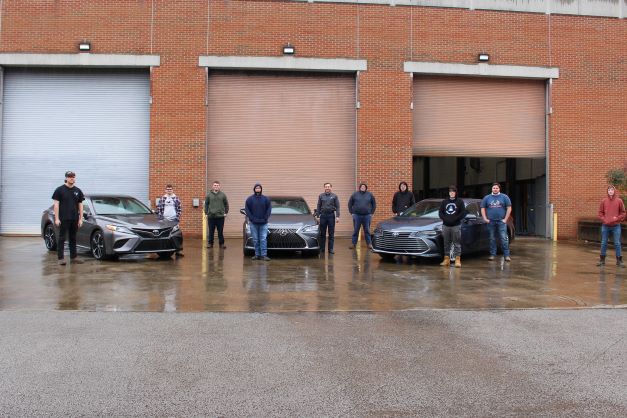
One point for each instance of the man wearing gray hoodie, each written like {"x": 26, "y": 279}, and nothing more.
{"x": 362, "y": 206}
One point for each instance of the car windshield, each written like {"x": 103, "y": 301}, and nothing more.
{"x": 119, "y": 206}
{"x": 423, "y": 209}
{"x": 289, "y": 206}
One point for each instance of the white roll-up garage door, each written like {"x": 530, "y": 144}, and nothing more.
{"x": 291, "y": 132}
{"x": 93, "y": 122}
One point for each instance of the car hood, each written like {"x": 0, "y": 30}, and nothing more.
{"x": 400, "y": 224}
{"x": 294, "y": 221}
{"x": 147, "y": 221}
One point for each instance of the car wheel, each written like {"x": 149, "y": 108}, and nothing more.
{"x": 387, "y": 257}
{"x": 50, "y": 238}
{"x": 97, "y": 246}
{"x": 166, "y": 255}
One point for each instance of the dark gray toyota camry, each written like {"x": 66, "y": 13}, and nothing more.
{"x": 117, "y": 225}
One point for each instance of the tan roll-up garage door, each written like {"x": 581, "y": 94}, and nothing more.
{"x": 479, "y": 117}
{"x": 290, "y": 132}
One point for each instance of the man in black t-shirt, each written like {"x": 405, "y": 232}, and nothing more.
{"x": 68, "y": 215}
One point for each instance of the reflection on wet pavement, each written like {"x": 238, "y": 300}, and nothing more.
{"x": 542, "y": 274}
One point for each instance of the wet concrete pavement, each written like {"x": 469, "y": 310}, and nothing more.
{"x": 216, "y": 334}
{"x": 543, "y": 274}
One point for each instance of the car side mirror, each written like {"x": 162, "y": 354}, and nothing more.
{"x": 470, "y": 217}
{"x": 242, "y": 211}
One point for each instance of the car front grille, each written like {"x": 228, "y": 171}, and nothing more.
{"x": 149, "y": 245}
{"x": 150, "y": 233}
{"x": 285, "y": 238}
{"x": 400, "y": 242}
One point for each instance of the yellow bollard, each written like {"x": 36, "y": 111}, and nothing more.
{"x": 204, "y": 228}
{"x": 555, "y": 227}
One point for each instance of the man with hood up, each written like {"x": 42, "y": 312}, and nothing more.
{"x": 258, "y": 209}
{"x": 361, "y": 206}
{"x": 611, "y": 213}
{"x": 402, "y": 199}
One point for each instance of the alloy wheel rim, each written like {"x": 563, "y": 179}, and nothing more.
{"x": 97, "y": 245}
{"x": 49, "y": 237}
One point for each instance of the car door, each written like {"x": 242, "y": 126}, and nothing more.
{"x": 472, "y": 229}
{"x": 89, "y": 223}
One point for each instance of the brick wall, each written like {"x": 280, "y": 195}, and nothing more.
{"x": 588, "y": 129}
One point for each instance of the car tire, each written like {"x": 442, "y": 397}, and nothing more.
{"x": 387, "y": 257}
{"x": 97, "y": 246}
{"x": 50, "y": 238}
{"x": 166, "y": 255}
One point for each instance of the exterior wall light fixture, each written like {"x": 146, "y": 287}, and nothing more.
{"x": 289, "y": 49}
{"x": 84, "y": 46}
{"x": 484, "y": 57}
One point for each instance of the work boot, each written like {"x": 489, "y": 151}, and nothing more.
{"x": 458, "y": 261}
{"x": 619, "y": 262}
{"x": 601, "y": 262}
{"x": 351, "y": 247}
{"x": 446, "y": 262}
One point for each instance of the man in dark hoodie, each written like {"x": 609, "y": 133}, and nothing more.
{"x": 402, "y": 199}
{"x": 258, "y": 209}
{"x": 452, "y": 211}
{"x": 361, "y": 206}
{"x": 611, "y": 213}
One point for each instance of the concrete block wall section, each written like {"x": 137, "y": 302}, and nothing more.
{"x": 588, "y": 128}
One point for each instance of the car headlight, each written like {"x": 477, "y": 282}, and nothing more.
{"x": 428, "y": 233}
{"x": 119, "y": 228}
{"x": 175, "y": 228}
{"x": 311, "y": 229}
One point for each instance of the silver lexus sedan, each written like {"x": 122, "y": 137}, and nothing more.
{"x": 117, "y": 225}
{"x": 291, "y": 227}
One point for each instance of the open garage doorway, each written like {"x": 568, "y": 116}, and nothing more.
{"x": 522, "y": 179}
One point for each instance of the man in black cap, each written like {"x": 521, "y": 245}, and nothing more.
{"x": 68, "y": 215}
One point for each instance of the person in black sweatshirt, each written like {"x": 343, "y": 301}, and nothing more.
{"x": 402, "y": 199}
{"x": 361, "y": 206}
{"x": 452, "y": 211}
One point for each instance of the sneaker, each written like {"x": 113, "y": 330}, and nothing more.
{"x": 265, "y": 258}
{"x": 254, "y": 257}
{"x": 491, "y": 258}
{"x": 76, "y": 261}
{"x": 209, "y": 245}
{"x": 352, "y": 247}
{"x": 508, "y": 258}
{"x": 62, "y": 262}
{"x": 223, "y": 246}
{"x": 331, "y": 252}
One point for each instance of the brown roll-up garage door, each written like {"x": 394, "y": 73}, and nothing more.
{"x": 290, "y": 132}
{"x": 478, "y": 117}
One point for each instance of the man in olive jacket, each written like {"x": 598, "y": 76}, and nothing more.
{"x": 216, "y": 208}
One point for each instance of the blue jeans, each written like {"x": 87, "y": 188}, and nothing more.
{"x": 499, "y": 227}
{"x": 358, "y": 222}
{"x": 605, "y": 232}
{"x": 260, "y": 239}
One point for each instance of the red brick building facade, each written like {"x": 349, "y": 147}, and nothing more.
{"x": 587, "y": 133}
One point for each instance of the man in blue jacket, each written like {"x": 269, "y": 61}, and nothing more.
{"x": 361, "y": 206}
{"x": 258, "y": 209}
